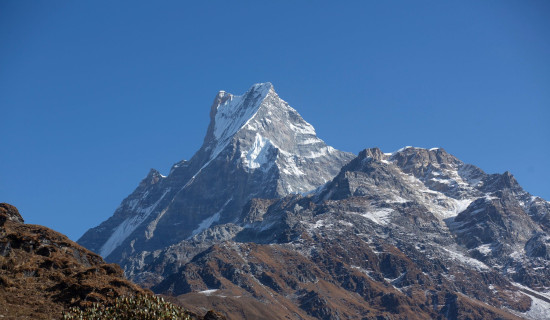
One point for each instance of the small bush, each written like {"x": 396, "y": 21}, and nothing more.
{"x": 141, "y": 307}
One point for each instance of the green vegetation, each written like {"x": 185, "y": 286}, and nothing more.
{"x": 141, "y": 307}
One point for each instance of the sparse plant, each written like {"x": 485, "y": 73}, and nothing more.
{"x": 140, "y": 307}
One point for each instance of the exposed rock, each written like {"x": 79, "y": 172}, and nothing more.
{"x": 9, "y": 212}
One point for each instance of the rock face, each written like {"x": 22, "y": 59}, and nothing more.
{"x": 9, "y": 212}
{"x": 42, "y": 272}
{"x": 266, "y": 221}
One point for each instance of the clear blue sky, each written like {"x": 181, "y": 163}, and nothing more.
{"x": 95, "y": 93}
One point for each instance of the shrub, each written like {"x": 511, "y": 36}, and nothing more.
{"x": 140, "y": 307}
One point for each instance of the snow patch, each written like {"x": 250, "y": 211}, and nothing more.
{"x": 208, "y": 292}
{"x": 127, "y": 227}
{"x": 457, "y": 207}
{"x": 478, "y": 265}
{"x": 540, "y": 309}
{"x": 321, "y": 223}
{"x": 379, "y": 216}
{"x": 235, "y": 113}
{"x": 485, "y": 249}
{"x": 206, "y": 223}
{"x": 303, "y": 128}
{"x": 402, "y": 149}
{"x": 291, "y": 168}
{"x": 258, "y": 153}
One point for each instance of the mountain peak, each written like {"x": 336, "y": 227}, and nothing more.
{"x": 229, "y": 113}
{"x": 259, "y": 90}
{"x": 256, "y": 145}
{"x": 263, "y": 130}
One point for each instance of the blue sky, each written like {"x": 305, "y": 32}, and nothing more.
{"x": 95, "y": 93}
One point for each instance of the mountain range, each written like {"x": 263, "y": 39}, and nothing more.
{"x": 267, "y": 221}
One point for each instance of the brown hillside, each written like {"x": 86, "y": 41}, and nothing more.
{"x": 42, "y": 272}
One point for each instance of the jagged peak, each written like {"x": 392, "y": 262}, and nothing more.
{"x": 152, "y": 177}
{"x": 407, "y": 156}
{"x": 502, "y": 181}
{"x": 374, "y": 153}
{"x": 221, "y": 100}
{"x": 260, "y": 111}
{"x": 411, "y": 149}
{"x": 231, "y": 112}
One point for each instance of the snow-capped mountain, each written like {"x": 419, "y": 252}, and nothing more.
{"x": 266, "y": 221}
{"x": 256, "y": 146}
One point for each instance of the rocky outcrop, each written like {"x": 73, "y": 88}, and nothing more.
{"x": 9, "y": 212}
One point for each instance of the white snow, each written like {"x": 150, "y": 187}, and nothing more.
{"x": 206, "y": 223}
{"x": 457, "y": 207}
{"x": 364, "y": 271}
{"x": 234, "y": 114}
{"x": 485, "y": 249}
{"x": 540, "y": 309}
{"x": 303, "y": 128}
{"x": 402, "y": 149}
{"x": 441, "y": 205}
{"x": 257, "y": 155}
{"x": 308, "y": 141}
{"x": 478, "y": 265}
{"x": 409, "y": 147}
{"x": 398, "y": 199}
{"x": 379, "y": 216}
{"x": 128, "y": 226}
{"x": 516, "y": 255}
{"x": 291, "y": 168}
{"x": 321, "y": 152}
{"x": 321, "y": 223}
{"x": 208, "y": 292}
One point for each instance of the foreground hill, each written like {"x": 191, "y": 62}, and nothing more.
{"x": 43, "y": 273}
